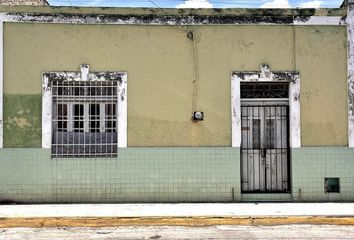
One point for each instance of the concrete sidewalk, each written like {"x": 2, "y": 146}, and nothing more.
{"x": 179, "y": 210}
{"x": 176, "y": 214}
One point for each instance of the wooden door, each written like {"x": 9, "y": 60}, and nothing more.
{"x": 265, "y": 146}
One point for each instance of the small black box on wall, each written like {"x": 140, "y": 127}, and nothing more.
{"x": 331, "y": 185}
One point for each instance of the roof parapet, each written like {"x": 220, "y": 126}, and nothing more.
{"x": 173, "y": 11}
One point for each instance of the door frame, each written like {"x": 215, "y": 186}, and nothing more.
{"x": 266, "y": 75}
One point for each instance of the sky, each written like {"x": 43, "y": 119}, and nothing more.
{"x": 201, "y": 3}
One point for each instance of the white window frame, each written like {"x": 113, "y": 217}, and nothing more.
{"x": 266, "y": 75}
{"x": 84, "y": 75}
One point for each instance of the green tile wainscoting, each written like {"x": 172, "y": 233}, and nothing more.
{"x": 136, "y": 175}
{"x": 164, "y": 174}
{"x": 310, "y": 165}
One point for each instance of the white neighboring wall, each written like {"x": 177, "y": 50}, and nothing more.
{"x": 350, "y": 34}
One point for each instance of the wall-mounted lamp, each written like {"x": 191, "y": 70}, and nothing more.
{"x": 198, "y": 116}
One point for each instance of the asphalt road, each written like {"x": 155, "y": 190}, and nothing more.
{"x": 162, "y": 233}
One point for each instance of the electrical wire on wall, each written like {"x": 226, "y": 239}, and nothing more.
{"x": 191, "y": 36}
{"x": 163, "y": 10}
{"x": 294, "y": 42}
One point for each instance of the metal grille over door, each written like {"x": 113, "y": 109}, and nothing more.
{"x": 265, "y": 164}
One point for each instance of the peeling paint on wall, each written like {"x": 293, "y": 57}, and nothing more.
{"x": 24, "y": 2}
{"x": 350, "y": 23}
{"x": 22, "y": 121}
{"x": 265, "y": 75}
{"x": 192, "y": 19}
{"x": 76, "y": 76}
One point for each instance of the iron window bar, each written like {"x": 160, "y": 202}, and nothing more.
{"x": 264, "y": 90}
{"x": 84, "y": 118}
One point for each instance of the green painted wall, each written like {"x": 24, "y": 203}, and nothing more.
{"x": 22, "y": 120}
{"x": 160, "y": 66}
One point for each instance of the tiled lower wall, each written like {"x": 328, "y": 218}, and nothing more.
{"x": 312, "y": 164}
{"x": 137, "y": 175}
{"x": 180, "y": 174}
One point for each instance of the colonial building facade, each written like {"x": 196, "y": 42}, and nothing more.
{"x": 168, "y": 105}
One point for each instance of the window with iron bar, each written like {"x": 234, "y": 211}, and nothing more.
{"x": 84, "y": 118}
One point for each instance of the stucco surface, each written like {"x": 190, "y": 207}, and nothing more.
{"x": 160, "y": 65}
{"x": 321, "y": 54}
{"x": 22, "y": 122}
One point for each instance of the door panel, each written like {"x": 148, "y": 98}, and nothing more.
{"x": 264, "y": 147}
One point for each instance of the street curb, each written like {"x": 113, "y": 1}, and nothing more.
{"x": 39, "y": 222}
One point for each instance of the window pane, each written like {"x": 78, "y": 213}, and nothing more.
{"x": 94, "y": 113}
{"x": 110, "y": 109}
{"x": 79, "y": 89}
{"x": 62, "y": 117}
{"x": 111, "y": 118}
{"x": 78, "y": 115}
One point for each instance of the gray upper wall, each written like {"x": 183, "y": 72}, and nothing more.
{"x": 235, "y": 12}
{"x": 24, "y": 2}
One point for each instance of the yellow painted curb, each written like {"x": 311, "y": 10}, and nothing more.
{"x": 171, "y": 221}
